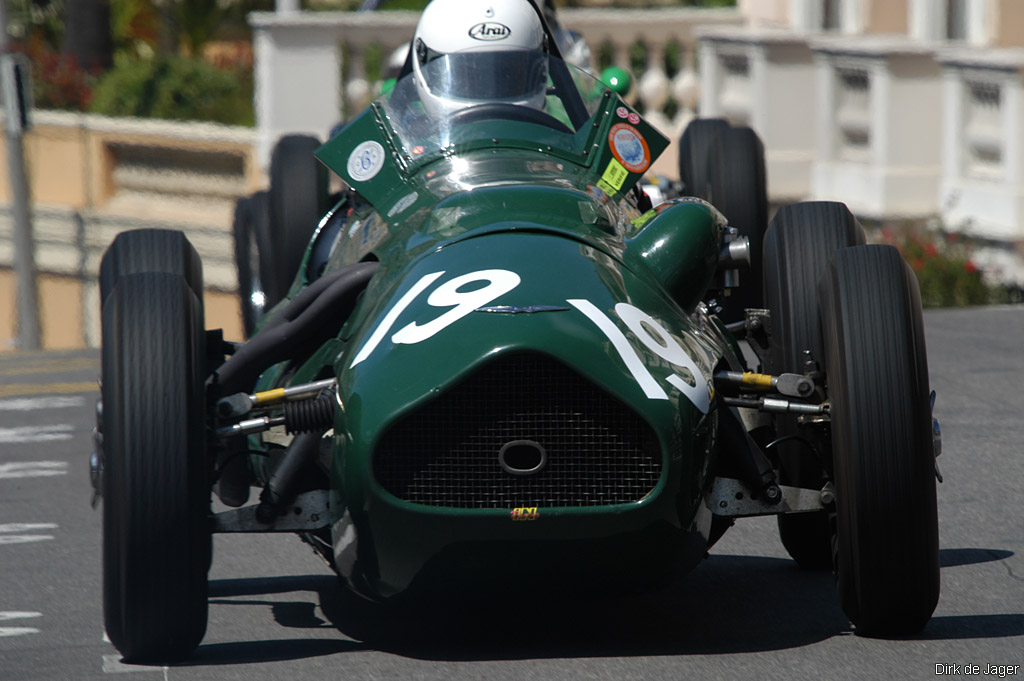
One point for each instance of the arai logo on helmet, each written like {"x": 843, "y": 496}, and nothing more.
{"x": 489, "y": 30}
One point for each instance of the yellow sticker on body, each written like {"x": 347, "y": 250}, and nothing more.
{"x": 642, "y": 220}
{"x": 606, "y": 188}
{"x": 524, "y": 513}
{"x": 614, "y": 176}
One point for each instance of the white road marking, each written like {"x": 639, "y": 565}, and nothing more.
{"x": 24, "y": 538}
{"x": 33, "y": 469}
{"x": 6, "y": 632}
{"x": 17, "y": 615}
{"x": 34, "y": 403}
{"x": 26, "y": 527}
{"x": 9, "y": 533}
{"x": 112, "y": 665}
{"x": 35, "y": 434}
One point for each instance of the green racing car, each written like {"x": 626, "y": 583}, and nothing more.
{"x": 496, "y": 353}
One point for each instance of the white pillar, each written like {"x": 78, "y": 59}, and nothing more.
{"x": 953, "y": 127}
{"x": 710, "y": 80}
{"x": 298, "y": 79}
{"x": 1013, "y": 136}
{"x": 979, "y": 32}
{"x": 880, "y": 91}
{"x": 927, "y": 20}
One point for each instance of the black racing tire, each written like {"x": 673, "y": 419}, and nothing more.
{"x": 737, "y": 186}
{"x": 150, "y": 250}
{"x": 156, "y": 495}
{"x": 798, "y": 245}
{"x": 252, "y": 257}
{"x": 887, "y": 538}
{"x": 694, "y": 146}
{"x": 298, "y": 199}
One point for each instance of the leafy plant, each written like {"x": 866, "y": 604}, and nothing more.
{"x": 58, "y": 82}
{"x": 176, "y": 88}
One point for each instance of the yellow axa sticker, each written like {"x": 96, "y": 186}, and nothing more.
{"x": 613, "y": 178}
{"x": 524, "y": 513}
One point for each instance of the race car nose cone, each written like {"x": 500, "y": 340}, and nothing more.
{"x": 522, "y": 457}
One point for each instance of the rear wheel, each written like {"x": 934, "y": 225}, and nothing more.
{"x": 297, "y": 199}
{"x": 797, "y": 247}
{"x": 887, "y": 539}
{"x": 694, "y": 146}
{"x": 252, "y": 257}
{"x": 156, "y": 496}
{"x": 737, "y": 186}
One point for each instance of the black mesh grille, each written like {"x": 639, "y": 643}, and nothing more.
{"x": 599, "y": 451}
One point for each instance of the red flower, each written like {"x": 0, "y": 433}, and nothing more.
{"x": 970, "y": 267}
{"x": 917, "y": 264}
{"x": 930, "y": 250}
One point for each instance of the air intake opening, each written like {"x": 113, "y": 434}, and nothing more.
{"x": 523, "y": 430}
{"x": 522, "y": 457}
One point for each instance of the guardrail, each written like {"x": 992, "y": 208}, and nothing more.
{"x": 92, "y": 177}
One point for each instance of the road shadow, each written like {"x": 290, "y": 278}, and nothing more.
{"x": 297, "y": 613}
{"x": 729, "y": 604}
{"x": 957, "y": 557}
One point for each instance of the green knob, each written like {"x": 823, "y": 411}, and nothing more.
{"x": 617, "y": 80}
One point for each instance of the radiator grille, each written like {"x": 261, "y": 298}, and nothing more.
{"x": 599, "y": 451}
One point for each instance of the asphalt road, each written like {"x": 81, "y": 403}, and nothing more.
{"x": 747, "y": 612}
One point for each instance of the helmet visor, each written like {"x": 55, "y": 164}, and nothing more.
{"x": 506, "y": 75}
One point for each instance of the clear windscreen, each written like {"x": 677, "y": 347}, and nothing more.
{"x": 460, "y": 99}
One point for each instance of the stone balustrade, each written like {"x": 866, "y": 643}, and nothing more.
{"x": 312, "y": 67}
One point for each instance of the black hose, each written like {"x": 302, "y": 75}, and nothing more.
{"x": 280, "y": 489}
{"x": 312, "y": 317}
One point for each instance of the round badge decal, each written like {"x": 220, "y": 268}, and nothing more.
{"x": 629, "y": 147}
{"x": 365, "y": 161}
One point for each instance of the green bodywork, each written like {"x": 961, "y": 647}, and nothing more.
{"x": 539, "y": 251}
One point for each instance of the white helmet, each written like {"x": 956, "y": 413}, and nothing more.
{"x": 470, "y": 52}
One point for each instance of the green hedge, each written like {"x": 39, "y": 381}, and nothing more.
{"x": 175, "y": 88}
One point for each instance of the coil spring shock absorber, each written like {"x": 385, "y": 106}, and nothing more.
{"x": 305, "y": 416}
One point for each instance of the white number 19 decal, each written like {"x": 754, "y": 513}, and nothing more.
{"x": 644, "y": 327}
{"x": 656, "y": 339}
{"x": 445, "y": 295}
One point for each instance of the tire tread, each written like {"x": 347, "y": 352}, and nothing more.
{"x": 887, "y": 537}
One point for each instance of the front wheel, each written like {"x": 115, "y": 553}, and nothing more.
{"x": 887, "y": 538}
{"x": 156, "y": 496}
